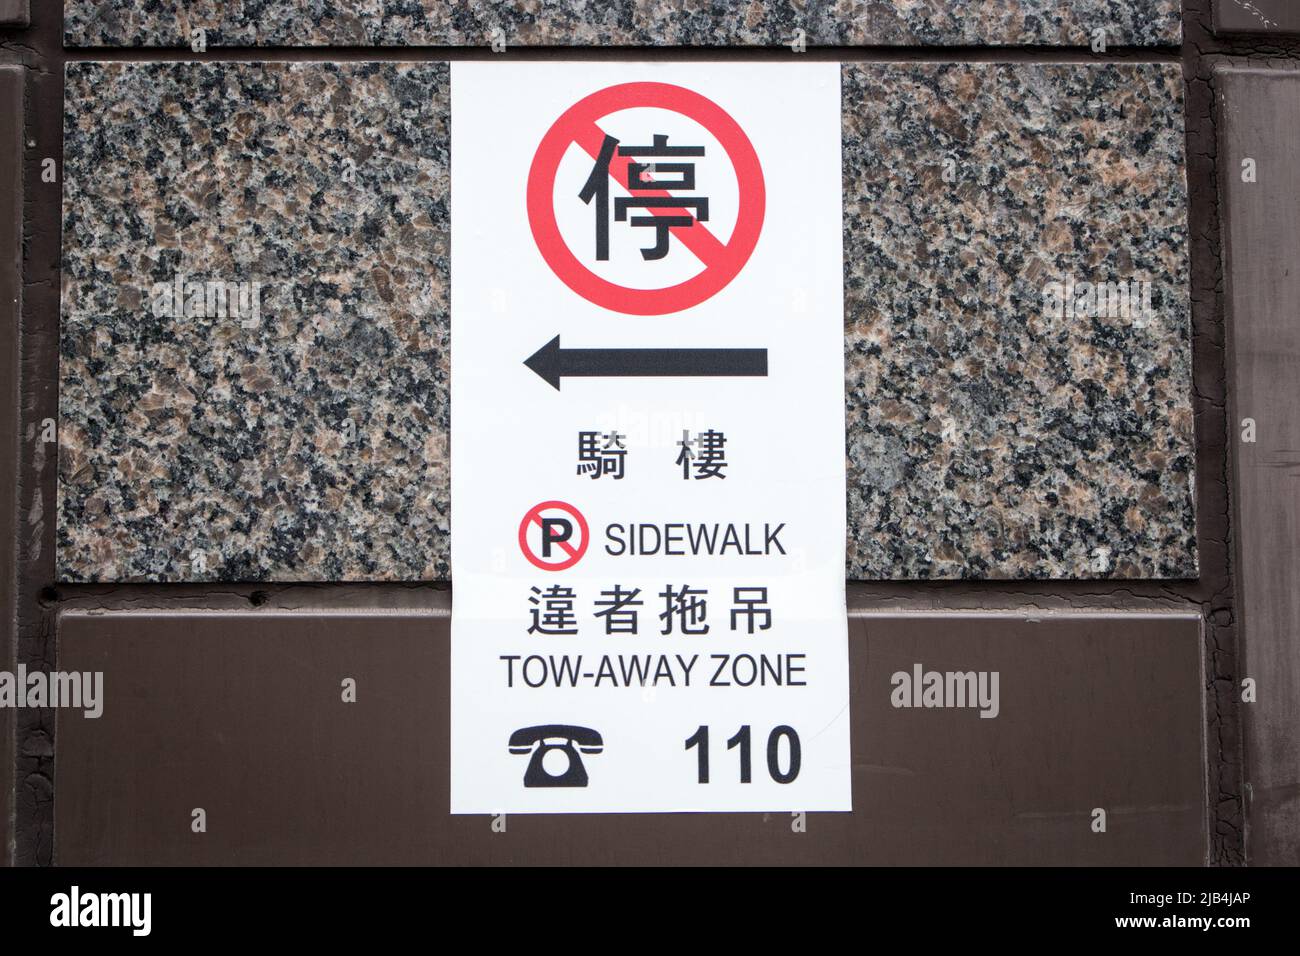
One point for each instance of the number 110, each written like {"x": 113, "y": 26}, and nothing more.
{"x": 700, "y": 740}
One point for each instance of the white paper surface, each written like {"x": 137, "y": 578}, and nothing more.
{"x": 515, "y": 446}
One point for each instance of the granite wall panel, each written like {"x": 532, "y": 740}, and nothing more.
{"x": 986, "y": 438}
{"x": 988, "y": 435}
{"x": 164, "y": 23}
{"x": 294, "y": 429}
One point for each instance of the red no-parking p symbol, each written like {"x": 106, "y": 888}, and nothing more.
{"x": 553, "y": 535}
{"x": 722, "y": 260}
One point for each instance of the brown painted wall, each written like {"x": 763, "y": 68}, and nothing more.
{"x": 1257, "y": 16}
{"x": 13, "y": 12}
{"x": 1261, "y": 114}
{"x": 11, "y": 193}
{"x": 241, "y": 715}
{"x": 87, "y": 829}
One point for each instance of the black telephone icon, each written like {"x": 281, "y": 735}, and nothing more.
{"x": 549, "y": 738}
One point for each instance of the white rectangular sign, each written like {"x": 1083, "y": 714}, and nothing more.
{"x": 647, "y": 438}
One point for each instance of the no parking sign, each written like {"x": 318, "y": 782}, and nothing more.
{"x": 553, "y": 536}
{"x": 647, "y": 439}
{"x": 722, "y": 260}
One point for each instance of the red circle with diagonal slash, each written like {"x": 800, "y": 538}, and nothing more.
{"x": 534, "y": 516}
{"x": 722, "y": 261}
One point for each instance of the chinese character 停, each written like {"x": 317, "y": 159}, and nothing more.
{"x": 649, "y": 192}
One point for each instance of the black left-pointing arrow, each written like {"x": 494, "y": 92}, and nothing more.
{"x": 554, "y": 363}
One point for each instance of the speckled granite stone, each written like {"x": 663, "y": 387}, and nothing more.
{"x": 986, "y": 438}
{"x": 206, "y": 448}
{"x": 620, "y": 22}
